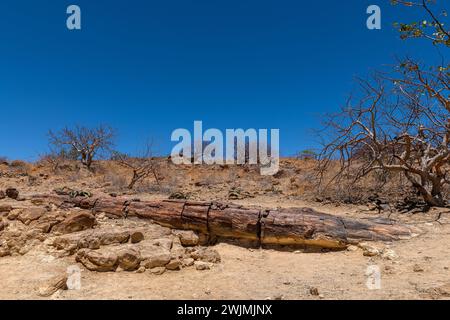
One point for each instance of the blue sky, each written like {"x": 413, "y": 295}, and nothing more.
{"x": 148, "y": 67}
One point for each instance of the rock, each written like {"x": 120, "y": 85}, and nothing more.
{"x": 187, "y": 237}
{"x": 166, "y": 243}
{"x": 314, "y": 291}
{"x": 76, "y": 222}
{"x": 389, "y": 254}
{"x": 174, "y": 264}
{"x": 352, "y": 248}
{"x": 140, "y": 270}
{"x": 13, "y": 214}
{"x": 369, "y": 250}
{"x": 444, "y": 290}
{"x": 129, "y": 258}
{"x": 417, "y": 268}
{"x": 188, "y": 262}
{"x": 5, "y": 208}
{"x": 3, "y": 225}
{"x": 177, "y": 251}
{"x": 157, "y": 270}
{"x": 153, "y": 255}
{"x": 200, "y": 265}
{"x": 47, "y": 222}
{"x": 91, "y": 239}
{"x": 101, "y": 260}
{"x": 51, "y": 286}
{"x": 4, "y": 248}
{"x": 154, "y": 232}
{"x": 12, "y": 193}
{"x": 136, "y": 237}
{"x": 206, "y": 254}
{"x": 2, "y": 195}
{"x": 31, "y": 214}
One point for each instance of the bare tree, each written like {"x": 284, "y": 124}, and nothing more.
{"x": 396, "y": 124}
{"x": 87, "y": 143}
{"x": 399, "y": 123}
{"x": 142, "y": 166}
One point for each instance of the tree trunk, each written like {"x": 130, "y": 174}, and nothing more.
{"x": 134, "y": 179}
{"x": 293, "y": 227}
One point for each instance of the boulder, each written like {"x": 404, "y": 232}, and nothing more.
{"x": 31, "y": 214}
{"x": 101, "y": 260}
{"x": 174, "y": 264}
{"x": 76, "y": 222}
{"x": 129, "y": 258}
{"x": 153, "y": 255}
{"x": 187, "y": 237}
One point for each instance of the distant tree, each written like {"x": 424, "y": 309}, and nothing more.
{"x": 142, "y": 166}
{"x": 82, "y": 143}
{"x": 307, "y": 154}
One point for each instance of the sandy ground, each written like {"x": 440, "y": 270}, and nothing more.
{"x": 256, "y": 274}
{"x": 421, "y": 270}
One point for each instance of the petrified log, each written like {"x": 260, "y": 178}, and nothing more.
{"x": 292, "y": 227}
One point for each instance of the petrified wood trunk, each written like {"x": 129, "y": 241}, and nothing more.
{"x": 292, "y": 227}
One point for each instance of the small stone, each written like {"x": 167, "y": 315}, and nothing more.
{"x": 188, "y": 262}
{"x": 417, "y": 268}
{"x": 12, "y": 193}
{"x": 314, "y": 291}
{"x": 200, "y": 265}
{"x": 206, "y": 254}
{"x": 389, "y": 254}
{"x": 158, "y": 270}
{"x": 5, "y": 208}
{"x": 369, "y": 250}
{"x": 140, "y": 270}
{"x": 352, "y": 248}
{"x": 174, "y": 264}
{"x": 14, "y": 214}
{"x": 136, "y": 237}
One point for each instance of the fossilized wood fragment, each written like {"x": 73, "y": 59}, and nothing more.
{"x": 294, "y": 226}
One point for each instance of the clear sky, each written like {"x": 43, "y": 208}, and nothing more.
{"x": 148, "y": 67}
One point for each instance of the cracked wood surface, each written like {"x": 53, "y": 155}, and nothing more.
{"x": 291, "y": 227}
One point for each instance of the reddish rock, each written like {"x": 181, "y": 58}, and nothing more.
{"x": 76, "y": 222}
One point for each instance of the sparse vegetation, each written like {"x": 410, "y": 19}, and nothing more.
{"x": 83, "y": 143}
{"x": 397, "y": 123}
